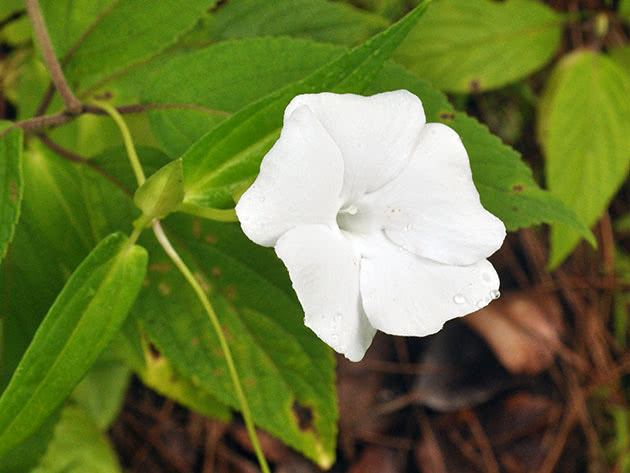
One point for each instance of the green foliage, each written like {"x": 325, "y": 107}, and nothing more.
{"x": 624, "y": 9}
{"x": 279, "y": 360}
{"x": 78, "y": 446}
{"x": 504, "y": 182}
{"x": 124, "y": 34}
{"x": 470, "y": 46}
{"x": 582, "y": 126}
{"x": 318, "y": 20}
{"x": 621, "y": 55}
{"x": 11, "y": 186}
{"x": 101, "y": 392}
{"x": 162, "y": 192}
{"x": 230, "y": 153}
{"x": 250, "y": 69}
{"x": 84, "y": 318}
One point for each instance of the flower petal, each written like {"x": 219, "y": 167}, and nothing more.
{"x": 432, "y": 207}
{"x": 404, "y": 294}
{"x": 299, "y": 183}
{"x": 324, "y": 269}
{"x": 376, "y": 134}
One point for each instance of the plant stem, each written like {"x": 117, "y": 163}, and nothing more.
{"x": 52, "y": 64}
{"x": 219, "y": 215}
{"x": 205, "y": 302}
{"x": 247, "y": 416}
{"x": 124, "y": 130}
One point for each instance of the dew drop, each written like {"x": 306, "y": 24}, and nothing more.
{"x": 352, "y": 210}
{"x": 459, "y": 299}
{"x": 495, "y": 294}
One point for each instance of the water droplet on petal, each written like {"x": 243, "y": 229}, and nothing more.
{"x": 459, "y": 299}
{"x": 495, "y": 294}
{"x": 352, "y": 210}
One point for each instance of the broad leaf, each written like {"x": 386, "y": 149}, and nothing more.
{"x": 84, "y": 318}
{"x": 250, "y": 69}
{"x": 621, "y": 56}
{"x": 211, "y": 164}
{"x": 583, "y": 128}
{"x": 281, "y": 363}
{"x": 11, "y": 186}
{"x": 78, "y": 446}
{"x": 470, "y": 46}
{"x": 102, "y": 391}
{"x": 116, "y": 35}
{"x": 319, "y": 20}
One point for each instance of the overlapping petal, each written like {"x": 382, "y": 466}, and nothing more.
{"x": 404, "y": 294}
{"x": 300, "y": 181}
{"x": 432, "y": 207}
{"x": 324, "y": 269}
{"x": 375, "y": 134}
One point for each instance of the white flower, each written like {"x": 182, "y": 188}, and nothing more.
{"x": 376, "y": 217}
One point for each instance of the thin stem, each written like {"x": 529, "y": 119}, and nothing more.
{"x": 219, "y": 215}
{"x": 124, "y": 130}
{"x": 52, "y": 64}
{"x": 247, "y": 416}
{"x": 64, "y": 117}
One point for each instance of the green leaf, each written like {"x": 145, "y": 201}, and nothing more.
{"x": 162, "y": 192}
{"x": 11, "y": 185}
{"x": 116, "y": 35}
{"x": 84, "y": 318}
{"x": 624, "y": 9}
{"x": 583, "y": 128}
{"x": 102, "y": 391}
{"x": 78, "y": 446}
{"x": 281, "y": 363}
{"x": 250, "y": 69}
{"x": 215, "y": 164}
{"x": 158, "y": 373}
{"x": 621, "y": 56}
{"x": 470, "y": 46}
{"x": 505, "y": 183}
{"x": 318, "y": 20}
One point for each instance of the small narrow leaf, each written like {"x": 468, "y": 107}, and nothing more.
{"x": 470, "y": 46}
{"x": 215, "y": 164}
{"x": 162, "y": 192}
{"x": 11, "y": 188}
{"x": 583, "y": 128}
{"x": 86, "y": 315}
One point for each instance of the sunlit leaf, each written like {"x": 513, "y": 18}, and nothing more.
{"x": 583, "y": 128}
{"x": 470, "y": 46}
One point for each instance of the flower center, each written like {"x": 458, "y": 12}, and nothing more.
{"x": 354, "y": 219}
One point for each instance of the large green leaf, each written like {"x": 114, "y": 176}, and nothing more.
{"x": 11, "y": 186}
{"x": 621, "y": 55}
{"x": 250, "y": 69}
{"x": 84, "y": 318}
{"x": 319, "y": 20}
{"x": 214, "y": 165}
{"x": 282, "y": 364}
{"x": 116, "y": 35}
{"x": 583, "y": 128}
{"x": 469, "y": 46}
{"x": 78, "y": 446}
